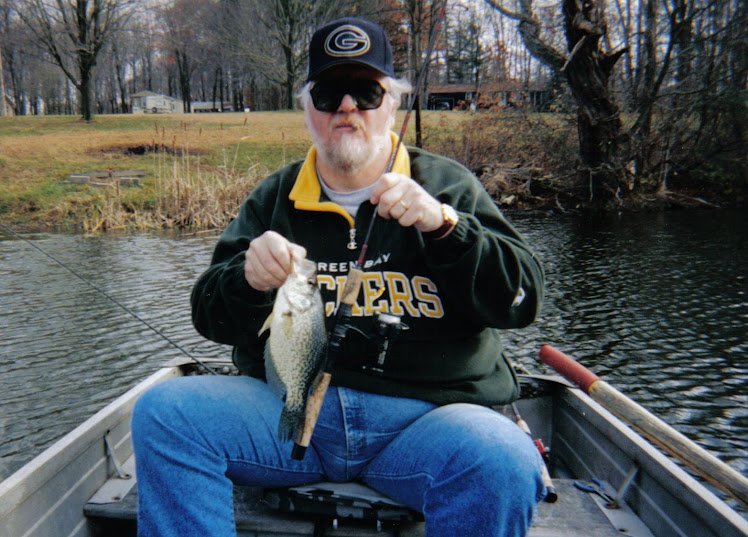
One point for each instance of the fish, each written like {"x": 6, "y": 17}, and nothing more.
{"x": 296, "y": 348}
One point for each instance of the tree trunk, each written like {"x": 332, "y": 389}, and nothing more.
{"x": 647, "y": 89}
{"x": 85, "y": 87}
{"x": 599, "y": 120}
{"x": 185, "y": 73}
{"x": 738, "y": 66}
{"x": 2, "y": 86}
{"x": 219, "y": 75}
{"x": 290, "y": 79}
{"x": 123, "y": 107}
{"x": 682, "y": 30}
{"x": 419, "y": 134}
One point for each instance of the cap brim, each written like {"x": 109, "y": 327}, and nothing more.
{"x": 338, "y": 63}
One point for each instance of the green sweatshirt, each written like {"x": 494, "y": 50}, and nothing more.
{"x": 454, "y": 294}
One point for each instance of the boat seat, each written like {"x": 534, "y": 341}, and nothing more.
{"x": 353, "y": 510}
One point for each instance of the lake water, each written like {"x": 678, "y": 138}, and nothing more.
{"x": 655, "y": 303}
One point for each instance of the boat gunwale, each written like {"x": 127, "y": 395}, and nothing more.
{"x": 692, "y": 494}
{"x": 30, "y": 478}
{"x": 688, "y": 492}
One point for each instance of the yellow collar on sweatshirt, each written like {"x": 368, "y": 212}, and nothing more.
{"x": 306, "y": 190}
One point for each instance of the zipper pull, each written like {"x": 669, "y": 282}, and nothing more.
{"x": 352, "y": 236}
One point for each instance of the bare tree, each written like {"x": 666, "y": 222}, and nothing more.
{"x": 290, "y": 24}
{"x": 423, "y": 18}
{"x": 184, "y": 39}
{"x": 266, "y": 41}
{"x": 588, "y": 69}
{"x": 6, "y": 47}
{"x": 465, "y": 53}
{"x": 73, "y": 33}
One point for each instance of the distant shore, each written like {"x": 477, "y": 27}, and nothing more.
{"x": 144, "y": 172}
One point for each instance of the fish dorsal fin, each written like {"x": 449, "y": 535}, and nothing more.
{"x": 266, "y": 324}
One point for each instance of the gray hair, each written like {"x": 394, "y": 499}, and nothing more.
{"x": 396, "y": 88}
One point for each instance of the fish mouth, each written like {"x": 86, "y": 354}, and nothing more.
{"x": 307, "y": 269}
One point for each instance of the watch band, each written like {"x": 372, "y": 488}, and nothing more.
{"x": 449, "y": 221}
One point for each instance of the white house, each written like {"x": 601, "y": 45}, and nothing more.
{"x": 210, "y": 106}
{"x": 148, "y": 102}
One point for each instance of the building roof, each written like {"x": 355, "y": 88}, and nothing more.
{"x": 147, "y": 93}
{"x": 484, "y": 87}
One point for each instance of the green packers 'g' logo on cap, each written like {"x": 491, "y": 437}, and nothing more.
{"x": 350, "y": 40}
{"x": 347, "y": 41}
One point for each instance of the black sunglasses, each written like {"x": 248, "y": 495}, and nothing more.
{"x": 328, "y": 94}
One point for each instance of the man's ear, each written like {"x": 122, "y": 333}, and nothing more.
{"x": 306, "y": 120}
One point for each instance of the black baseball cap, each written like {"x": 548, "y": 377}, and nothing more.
{"x": 350, "y": 40}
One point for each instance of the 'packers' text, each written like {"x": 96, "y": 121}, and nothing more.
{"x": 386, "y": 292}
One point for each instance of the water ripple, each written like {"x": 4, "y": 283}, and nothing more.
{"x": 67, "y": 350}
{"x": 656, "y": 304}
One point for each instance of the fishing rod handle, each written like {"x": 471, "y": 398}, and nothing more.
{"x": 322, "y": 383}
{"x": 313, "y": 406}
{"x": 551, "y": 495}
{"x": 659, "y": 433}
{"x": 352, "y": 286}
{"x": 568, "y": 368}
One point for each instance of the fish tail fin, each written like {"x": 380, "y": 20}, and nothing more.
{"x": 290, "y": 420}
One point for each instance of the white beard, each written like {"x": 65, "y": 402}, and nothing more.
{"x": 353, "y": 152}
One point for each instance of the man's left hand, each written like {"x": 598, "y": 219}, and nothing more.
{"x": 400, "y": 197}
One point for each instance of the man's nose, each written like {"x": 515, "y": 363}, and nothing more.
{"x": 348, "y": 104}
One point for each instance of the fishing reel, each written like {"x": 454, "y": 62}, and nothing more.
{"x": 387, "y": 329}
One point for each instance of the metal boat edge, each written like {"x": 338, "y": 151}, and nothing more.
{"x": 46, "y": 497}
{"x": 37, "y": 500}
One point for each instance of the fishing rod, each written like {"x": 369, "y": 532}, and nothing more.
{"x": 404, "y": 128}
{"x": 184, "y": 351}
{"x": 353, "y": 282}
{"x": 708, "y": 466}
{"x": 551, "y": 495}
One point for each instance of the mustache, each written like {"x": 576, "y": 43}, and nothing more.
{"x": 351, "y": 122}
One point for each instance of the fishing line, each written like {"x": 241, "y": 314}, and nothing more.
{"x": 351, "y": 290}
{"x": 406, "y": 120}
{"x": 11, "y": 232}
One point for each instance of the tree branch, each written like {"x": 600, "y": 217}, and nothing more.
{"x": 515, "y": 15}
{"x": 529, "y": 30}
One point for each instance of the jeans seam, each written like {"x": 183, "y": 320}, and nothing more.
{"x": 399, "y": 477}
{"x": 274, "y": 468}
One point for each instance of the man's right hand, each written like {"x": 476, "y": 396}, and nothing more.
{"x": 268, "y": 260}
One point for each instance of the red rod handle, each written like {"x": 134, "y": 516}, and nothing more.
{"x": 568, "y": 368}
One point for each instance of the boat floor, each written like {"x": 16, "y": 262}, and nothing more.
{"x": 575, "y": 514}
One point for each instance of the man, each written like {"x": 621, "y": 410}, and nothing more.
{"x": 413, "y": 423}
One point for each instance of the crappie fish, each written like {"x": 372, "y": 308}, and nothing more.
{"x": 295, "y": 349}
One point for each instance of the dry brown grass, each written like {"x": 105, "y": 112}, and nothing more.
{"x": 184, "y": 199}
{"x": 199, "y": 167}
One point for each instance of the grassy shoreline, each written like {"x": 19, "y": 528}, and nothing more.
{"x": 200, "y": 167}
{"x": 188, "y": 160}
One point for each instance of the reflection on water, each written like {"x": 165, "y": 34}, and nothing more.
{"x": 656, "y": 303}
{"x": 67, "y": 350}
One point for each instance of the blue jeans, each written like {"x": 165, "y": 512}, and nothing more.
{"x": 468, "y": 469}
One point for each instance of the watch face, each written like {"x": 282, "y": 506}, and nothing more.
{"x": 449, "y": 214}
{"x": 449, "y": 221}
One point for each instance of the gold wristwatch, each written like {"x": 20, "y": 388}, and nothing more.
{"x": 449, "y": 221}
